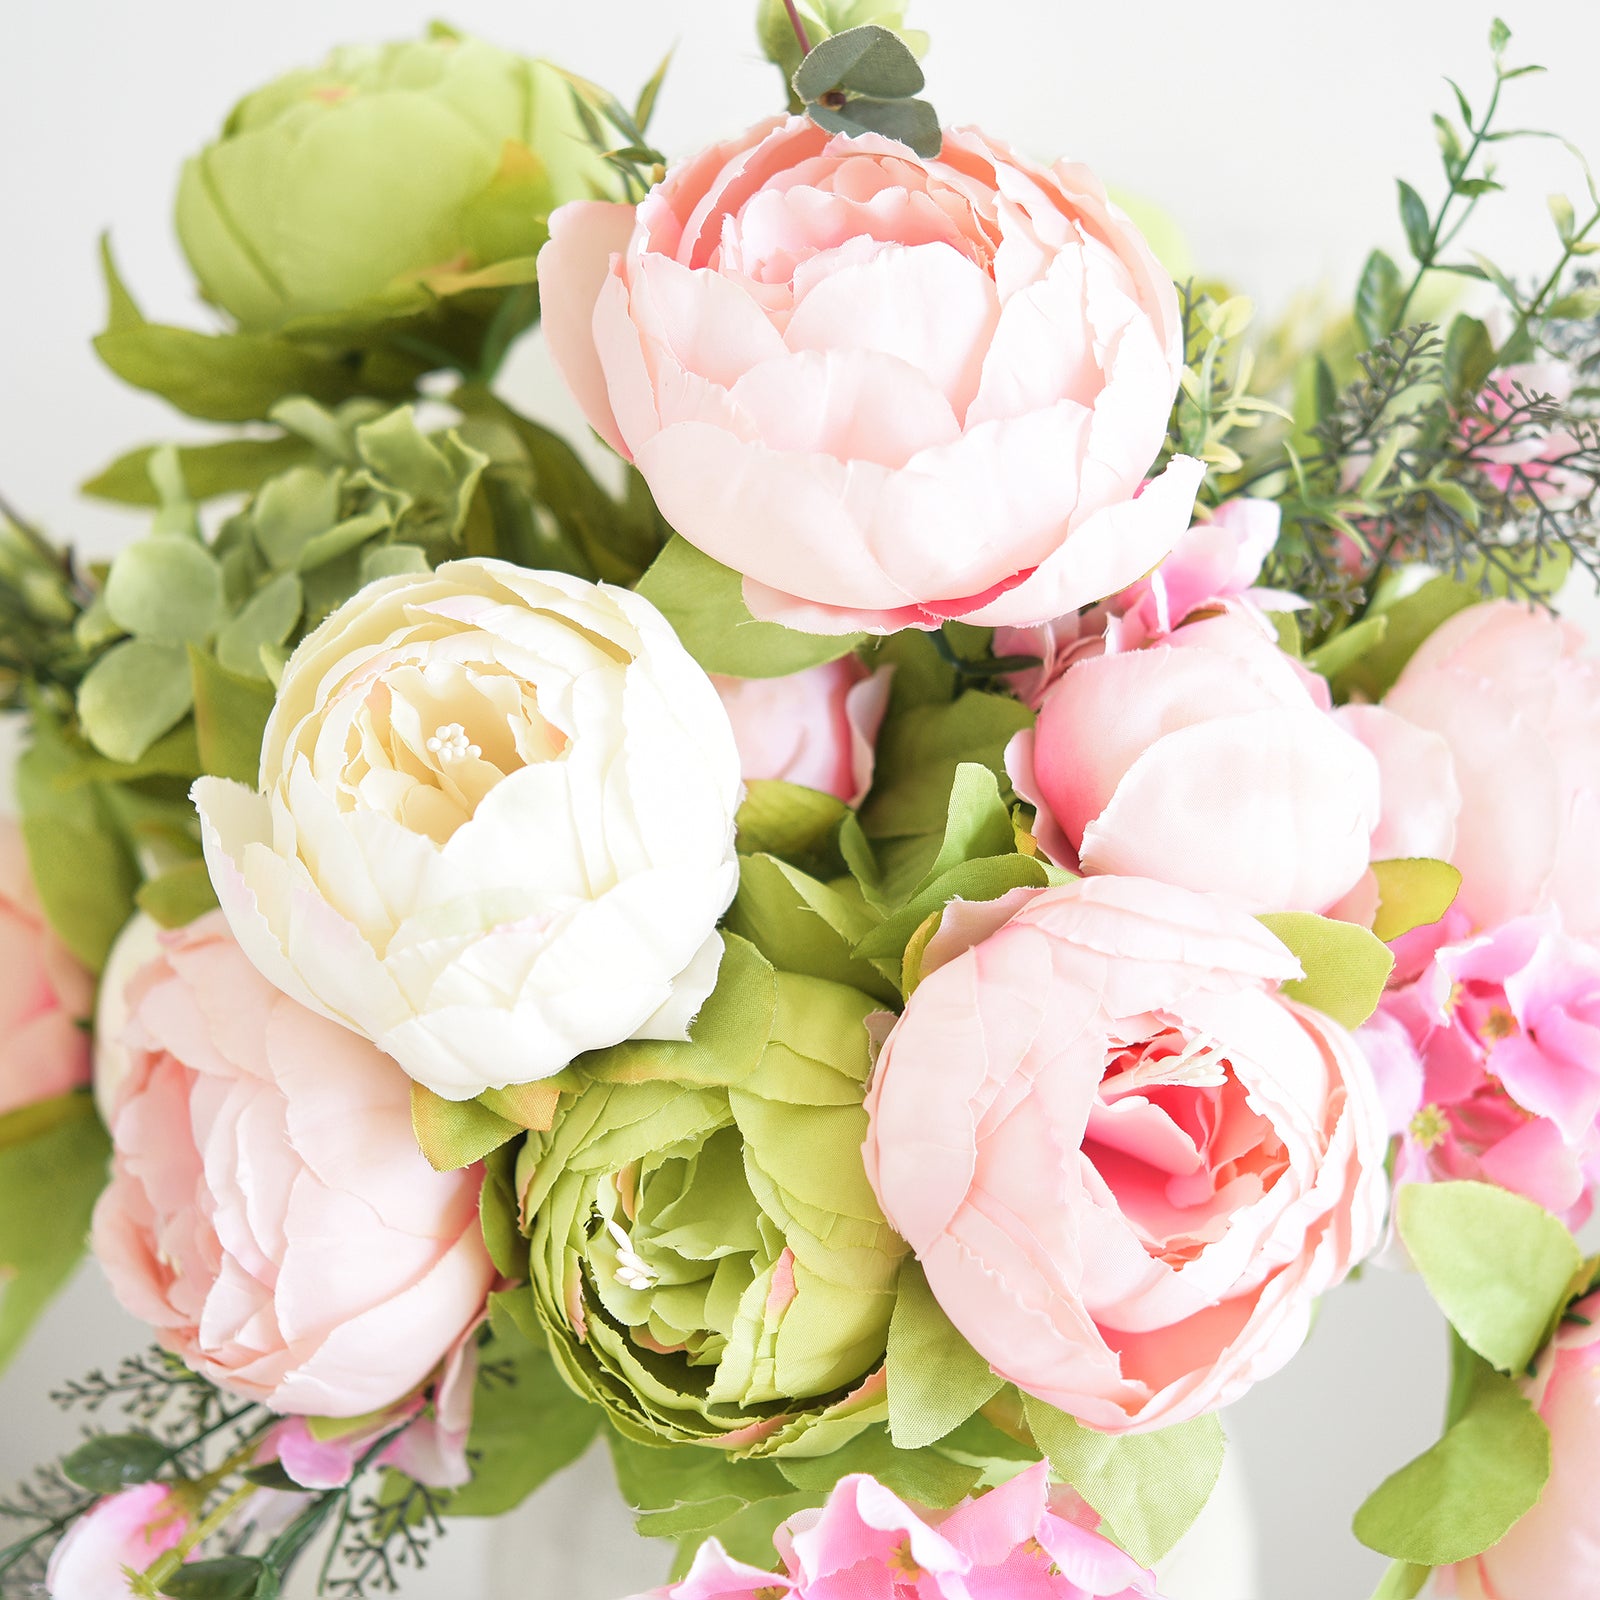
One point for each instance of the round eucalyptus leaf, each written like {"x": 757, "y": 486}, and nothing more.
{"x": 166, "y": 589}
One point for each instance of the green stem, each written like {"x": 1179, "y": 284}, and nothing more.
{"x": 1531, "y": 310}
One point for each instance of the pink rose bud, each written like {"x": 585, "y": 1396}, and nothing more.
{"x": 1516, "y": 696}
{"x": 1022, "y": 1539}
{"x": 130, "y": 1529}
{"x": 1128, "y": 1165}
{"x": 887, "y": 390}
{"x": 1553, "y": 1553}
{"x": 817, "y": 728}
{"x": 45, "y": 993}
{"x": 269, "y": 1213}
{"x": 1208, "y": 761}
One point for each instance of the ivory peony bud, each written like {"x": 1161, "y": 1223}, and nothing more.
{"x": 45, "y": 993}
{"x": 1554, "y": 1551}
{"x": 1516, "y": 696}
{"x": 886, "y": 390}
{"x": 1208, "y": 761}
{"x": 496, "y": 827}
{"x": 1128, "y": 1166}
{"x": 269, "y": 1213}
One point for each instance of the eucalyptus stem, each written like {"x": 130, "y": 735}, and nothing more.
{"x": 797, "y": 22}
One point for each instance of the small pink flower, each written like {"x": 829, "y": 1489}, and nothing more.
{"x": 45, "y": 994}
{"x": 1527, "y": 462}
{"x": 126, "y": 1531}
{"x": 1020, "y": 1540}
{"x": 1553, "y": 1552}
{"x": 818, "y": 728}
{"x": 1127, "y": 1164}
{"x": 889, "y": 391}
{"x": 269, "y": 1213}
{"x": 1489, "y": 1063}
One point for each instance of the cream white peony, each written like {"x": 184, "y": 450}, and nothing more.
{"x": 495, "y": 826}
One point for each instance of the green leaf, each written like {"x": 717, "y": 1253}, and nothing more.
{"x": 1148, "y": 1487}
{"x": 112, "y": 1461}
{"x": 456, "y": 1133}
{"x": 122, "y": 310}
{"x": 1378, "y": 297}
{"x": 923, "y": 1477}
{"x": 1499, "y": 1266}
{"x": 231, "y": 466}
{"x": 1346, "y": 966}
{"x": 913, "y": 122}
{"x": 1410, "y": 621}
{"x": 132, "y": 695}
{"x": 704, "y": 602}
{"x": 524, "y": 1431}
{"x": 167, "y": 589}
{"x": 1466, "y": 1492}
{"x": 936, "y": 1379}
{"x": 799, "y": 825}
{"x": 1499, "y": 36}
{"x": 264, "y": 624}
{"x": 869, "y": 60}
{"x": 1414, "y": 218}
{"x": 291, "y": 510}
{"x": 230, "y": 717}
{"x": 1468, "y": 359}
{"x": 1413, "y": 892}
{"x": 221, "y": 1578}
{"x": 179, "y": 895}
{"x": 52, "y": 1168}
{"x": 1347, "y": 646}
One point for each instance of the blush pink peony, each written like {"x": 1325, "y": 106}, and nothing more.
{"x": 269, "y": 1213}
{"x": 130, "y": 1529}
{"x": 887, "y": 391}
{"x": 1022, "y": 1541}
{"x": 45, "y": 993}
{"x": 1210, "y": 761}
{"x": 1553, "y": 1553}
{"x": 1127, "y": 1164}
{"x": 1516, "y": 697}
{"x": 818, "y": 728}
{"x": 1489, "y": 1064}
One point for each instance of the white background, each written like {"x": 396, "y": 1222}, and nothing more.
{"x": 1271, "y": 130}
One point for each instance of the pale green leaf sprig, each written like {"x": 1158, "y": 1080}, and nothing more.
{"x": 822, "y": 19}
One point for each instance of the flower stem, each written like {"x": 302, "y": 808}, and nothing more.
{"x": 798, "y": 24}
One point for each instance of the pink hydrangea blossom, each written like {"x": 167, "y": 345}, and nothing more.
{"x": 1022, "y": 1541}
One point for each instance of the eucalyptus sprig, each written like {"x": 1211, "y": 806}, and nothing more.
{"x": 866, "y": 80}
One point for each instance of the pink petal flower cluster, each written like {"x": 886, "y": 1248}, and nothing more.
{"x": 269, "y": 1213}
{"x": 1021, "y": 1541}
{"x": 126, "y": 1530}
{"x": 1127, "y": 1164}
{"x": 1209, "y": 760}
{"x": 888, "y": 391}
{"x": 1489, "y": 1064}
{"x": 1553, "y": 1551}
{"x": 45, "y": 993}
{"x": 818, "y": 728}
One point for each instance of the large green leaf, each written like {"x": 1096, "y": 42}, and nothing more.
{"x": 1407, "y": 622}
{"x": 1500, "y": 1267}
{"x": 1346, "y": 966}
{"x": 936, "y": 1379}
{"x": 137, "y": 691}
{"x": 230, "y": 717}
{"x": 1413, "y": 892}
{"x": 704, "y": 602}
{"x": 231, "y": 466}
{"x": 1148, "y": 1487}
{"x": 455, "y": 1133}
{"x": 52, "y": 1169}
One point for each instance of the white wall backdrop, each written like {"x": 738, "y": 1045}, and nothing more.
{"x": 1271, "y": 130}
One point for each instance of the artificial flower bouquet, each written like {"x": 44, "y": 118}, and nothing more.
{"x": 877, "y": 952}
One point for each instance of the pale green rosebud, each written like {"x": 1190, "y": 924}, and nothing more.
{"x": 341, "y": 191}
{"x": 708, "y": 1258}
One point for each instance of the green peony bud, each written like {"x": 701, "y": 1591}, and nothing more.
{"x": 340, "y": 191}
{"x": 707, "y": 1255}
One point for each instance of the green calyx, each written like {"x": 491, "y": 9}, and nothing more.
{"x": 362, "y": 188}
{"x": 707, "y": 1256}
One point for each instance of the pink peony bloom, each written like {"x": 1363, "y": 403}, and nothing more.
{"x": 1514, "y": 695}
{"x": 818, "y": 727}
{"x": 45, "y": 994}
{"x": 1553, "y": 1553}
{"x": 1128, "y": 1165}
{"x": 1022, "y": 1541}
{"x": 1489, "y": 1064}
{"x": 888, "y": 391}
{"x": 269, "y": 1213}
{"x": 127, "y": 1530}
{"x": 1209, "y": 761}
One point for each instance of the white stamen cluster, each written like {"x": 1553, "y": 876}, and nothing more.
{"x": 449, "y": 743}
{"x": 633, "y": 1271}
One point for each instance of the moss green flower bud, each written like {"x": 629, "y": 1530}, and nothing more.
{"x": 707, "y": 1256}
{"x": 360, "y": 187}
